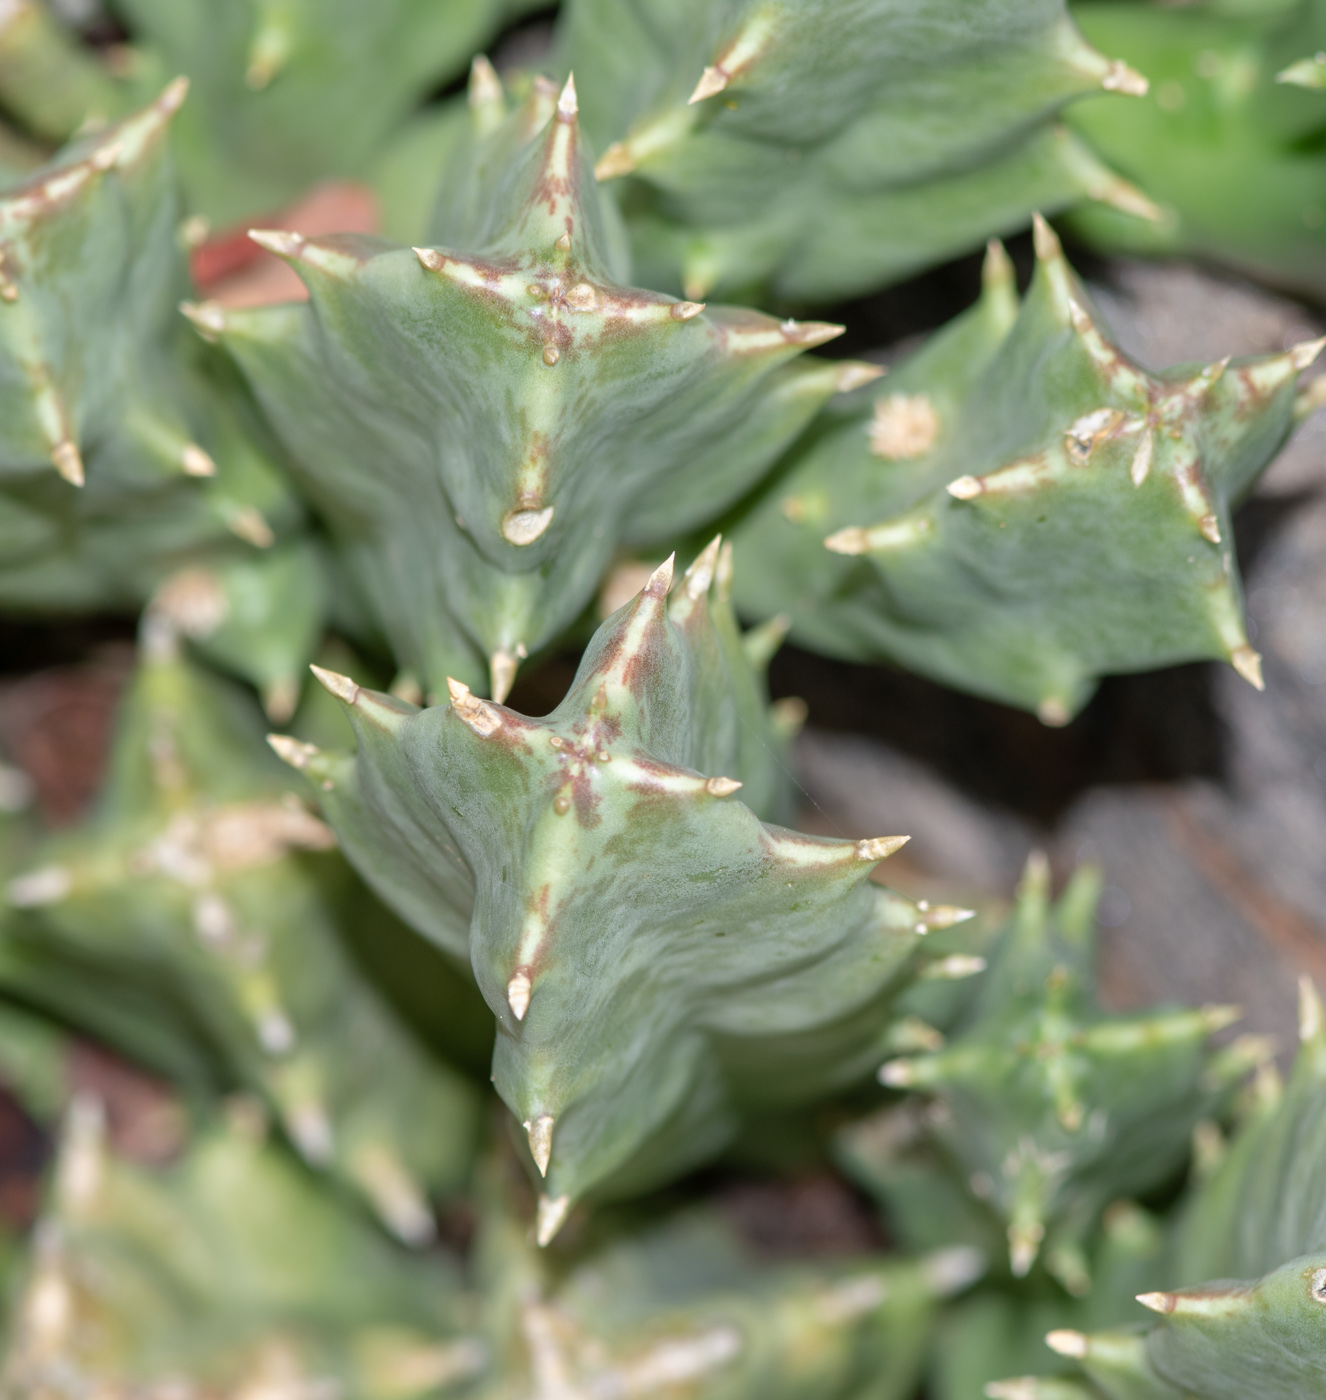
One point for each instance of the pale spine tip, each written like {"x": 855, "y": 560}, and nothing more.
{"x": 342, "y": 687}
{"x": 712, "y": 82}
{"x": 553, "y": 1211}
{"x": 700, "y": 575}
{"x": 539, "y": 1130}
{"x": 954, "y": 967}
{"x": 1067, "y": 1343}
{"x": 49, "y": 885}
{"x": 1045, "y": 239}
{"x": 1209, "y": 528}
{"x": 282, "y": 242}
{"x": 660, "y": 581}
{"x": 523, "y": 527}
{"x": 615, "y": 162}
{"x": 997, "y": 269}
{"x": 1248, "y": 664}
{"x": 485, "y": 86}
{"x": 1310, "y": 1018}
{"x": 502, "y": 666}
{"x": 721, "y": 787}
{"x": 1306, "y": 352}
{"x": 1120, "y": 78}
{"x": 293, "y": 751}
{"x": 686, "y": 310}
{"x": 1053, "y": 713}
{"x": 172, "y": 98}
{"x": 195, "y": 461}
{"x": 248, "y": 524}
{"x": 1024, "y": 1244}
{"x": 965, "y": 488}
{"x": 1216, "y": 1018}
{"x": 429, "y": 258}
{"x": 1019, "y": 1388}
{"x": 880, "y": 847}
{"x": 207, "y": 317}
{"x": 68, "y": 461}
{"x": 856, "y": 374}
{"x": 852, "y": 540}
{"x": 473, "y": 712}
{"x": 897, "y": 1074}
{"x": 1158, "y": 1302}
{"x": 518, "y": 991}
{"x": 567, "y": 107}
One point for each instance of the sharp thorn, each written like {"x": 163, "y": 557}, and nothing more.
{"x": 68, "y": 461}
{"x": 551, "y": 1217}
{"x": 502, "y": 666}
{"x": 282, "y": 242}
{"x": 880, "y": 847}
{"x": 518, "y": 991}
{"x": 342, "y": 687}
{"x": 660, "y": 581}
{"x": 1045, "y": 239}
{"x": 1311, "y": 1020}
{"x": 1120, "y": 78}
{"x": 1248, "y": 664}
{"x": 712, "y": 82}
{"x": 700, "y": 575}
{"x": 539, "y": 1130}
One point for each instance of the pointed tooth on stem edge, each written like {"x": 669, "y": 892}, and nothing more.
{"x": 342, "y": 687}
{"x": 539, "y": 1130}
{"x": 518, "y": 992}
{"x": 880, "y": 847}
{"x": 553, "y": 1211}
{"x": 1248, "y": 664}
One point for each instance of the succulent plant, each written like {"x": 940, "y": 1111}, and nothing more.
{"x": 1226, "y": 140}
{"x": 823, "y": 150}
{"x": 439, "y": 463}
{"x": 232, "y": 1271}
{"x": 1022, "y": 509}
{"x": 129, "y": 452}
{"x": 681, "y": 1306}
{"x": 286, "y": 92}
{"x": 482, "y": 429}
{"x": 1256, "y": 1233}
{"x": 1048, "y": 1108}
{"x": 188, "y": 886}
{"x": 654, "y": 954}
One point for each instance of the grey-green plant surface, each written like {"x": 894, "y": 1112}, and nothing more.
{"x": 286, "y": 92}
{"x": 1226, "y": 141}
{"x": 1048, "y": 1108}
{"x": 482, "y": 429}
{"x": 822, "y": 149}
{"x": 189, "y": 889}
{"x": 653, "y": 952}
{"x": 231, "y": 1270}
{"x": 428, "y": 474}
{"x": 1250, "y": 1254}
{"x": 129, "y": 452}
{"x": 1020, "y": 509}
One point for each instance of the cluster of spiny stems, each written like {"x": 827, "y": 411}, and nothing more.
{"x": 527, "y": 371}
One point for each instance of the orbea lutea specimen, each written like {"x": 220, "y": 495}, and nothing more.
{"x": 525, "y": 413}
{"x": 655, "y": 955}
